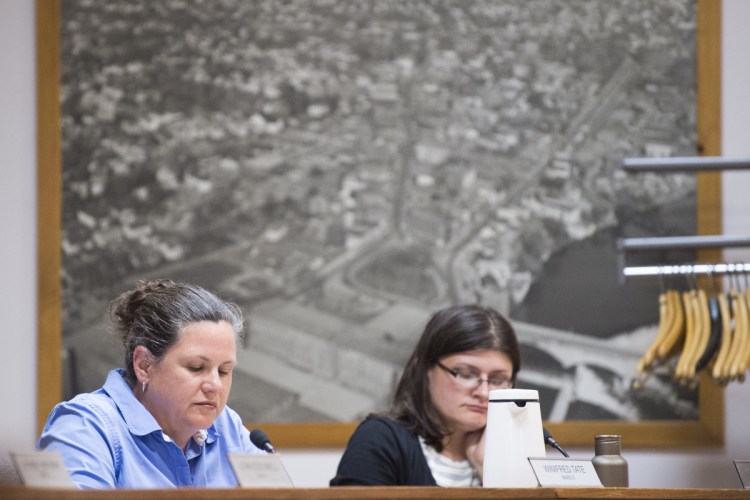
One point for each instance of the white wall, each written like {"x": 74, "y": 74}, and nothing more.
{"x": 735, "y": 133}
{"x": 17, "y": 225}
{"x": 648, "y": 468}
{"x": 735, "y": 118}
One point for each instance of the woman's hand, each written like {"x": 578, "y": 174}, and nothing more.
{"x": 475, "y": 450}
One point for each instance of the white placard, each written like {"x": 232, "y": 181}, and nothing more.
{"x": 259, "y": 471}
{"x": 743, "y": 470}
{"x": 564, "y": 472}
{"x": 42, "y": 469}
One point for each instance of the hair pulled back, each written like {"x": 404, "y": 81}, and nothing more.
{"x": 155, "y": 314}
{"x": 449, "y": 331}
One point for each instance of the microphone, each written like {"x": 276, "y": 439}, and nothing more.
{"x": 259, "y": 439}
{"x": 548, "y": 439}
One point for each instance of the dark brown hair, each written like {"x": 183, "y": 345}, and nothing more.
{"x": 155, "y": 314}
{"x": 449, "y": 331}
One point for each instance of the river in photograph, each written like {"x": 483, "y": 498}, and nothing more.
{"x": 581, "y": 290}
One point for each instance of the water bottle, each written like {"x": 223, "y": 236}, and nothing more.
{"x": 610, "y": 465}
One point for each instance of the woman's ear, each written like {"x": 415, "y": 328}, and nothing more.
{"x": 142, "y": 361}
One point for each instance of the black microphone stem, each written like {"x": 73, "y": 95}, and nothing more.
{"x": 559, "y": 448}
{"x": 548, "y": 439}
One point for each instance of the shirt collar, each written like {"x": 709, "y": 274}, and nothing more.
{"x": 139, "y": 420}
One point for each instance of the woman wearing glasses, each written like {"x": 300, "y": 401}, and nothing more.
{"x": 433, "y": 433}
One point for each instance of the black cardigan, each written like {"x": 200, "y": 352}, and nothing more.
{"x": 382, "y": 452}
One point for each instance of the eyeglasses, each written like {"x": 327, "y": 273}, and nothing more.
{"x": 472, "y": 379}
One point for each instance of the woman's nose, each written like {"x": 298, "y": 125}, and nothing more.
{"x": 483, "y": 389}
{"x": 211, "y": 382}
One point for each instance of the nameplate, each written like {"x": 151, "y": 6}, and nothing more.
{"x": 259, "y": 471}
{"x": 743, "y": 470}
{"x": 563, "y": 472}
{"x": 42, "y": 469}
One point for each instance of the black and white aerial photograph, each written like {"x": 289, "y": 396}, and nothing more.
{"x": 341, "y": 169}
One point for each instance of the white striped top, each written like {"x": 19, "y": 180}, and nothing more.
{"x": 447, "y": 472}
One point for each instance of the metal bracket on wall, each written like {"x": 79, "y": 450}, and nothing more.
{"x": 684, "y": 164}
{"x": 671, "y": 165}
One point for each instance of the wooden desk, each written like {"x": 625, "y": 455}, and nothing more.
{"x": 360, "y": 493}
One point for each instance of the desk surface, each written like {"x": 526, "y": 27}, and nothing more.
{"x": 357, "y": 493}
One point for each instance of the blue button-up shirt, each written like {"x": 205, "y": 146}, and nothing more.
{"x": 108, "y": 439}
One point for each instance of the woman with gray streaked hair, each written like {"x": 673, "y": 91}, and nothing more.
{"x": 162, "y": 421}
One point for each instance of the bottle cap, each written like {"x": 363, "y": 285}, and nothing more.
{"x": 607, "y": 444}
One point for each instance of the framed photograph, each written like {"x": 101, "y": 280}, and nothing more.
{"x": 342, "y": 170}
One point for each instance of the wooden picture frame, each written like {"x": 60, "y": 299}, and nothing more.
{"x": 708, "y": 430}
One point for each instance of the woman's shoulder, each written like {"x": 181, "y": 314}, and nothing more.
{"x": 382, "y": 426}
{"x": 86, "y": 415}
{"x": 94, "y": 403}
{"x": 109, "y": 406}
{"x": 382, "y": 451}
{"x": 379, "y": 421}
